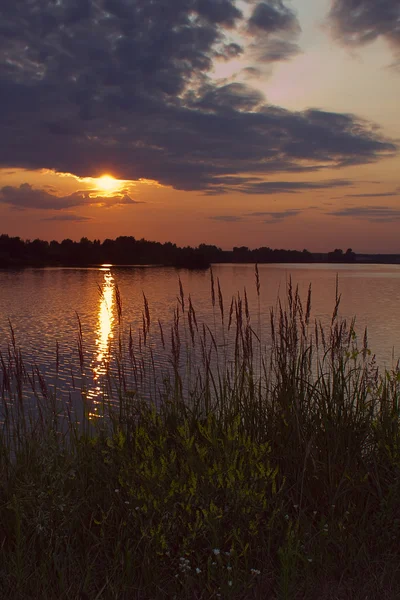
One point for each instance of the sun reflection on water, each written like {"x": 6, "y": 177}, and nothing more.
{"x": 104, "y": 336}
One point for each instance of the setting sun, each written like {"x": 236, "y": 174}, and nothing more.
{"x": 108, "y": 183}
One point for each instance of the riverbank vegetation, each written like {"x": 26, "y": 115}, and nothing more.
{"x": 126, "y": 250}
{"x": 263, "y": 468}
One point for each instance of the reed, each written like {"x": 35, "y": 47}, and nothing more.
{"x": 248, "y": 468}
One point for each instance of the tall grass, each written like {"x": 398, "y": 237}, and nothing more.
{"x": 251, "y": 468}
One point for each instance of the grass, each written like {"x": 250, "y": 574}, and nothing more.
{"x": 256, "y": 470}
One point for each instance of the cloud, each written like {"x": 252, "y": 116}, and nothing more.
{"x": 376, "y": 195}
{"x": 276, "y": 30}
{"x": 273, "y": 16}
{"x": 255, "y": 186}
{"x": 68, "y": 217}
{"x": 376, "y": 214}
{"x": 359, "y": 22}
{"x": 234, "y": 96}
{"x": 26, "y": 197}
{"x": 227, "y": 218}
{"x": 275, "y": 216}
{"x": 124, "y": 86}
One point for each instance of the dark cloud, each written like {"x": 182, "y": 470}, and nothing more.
{"x": 234, "y": 96}
{"x": 227, "y": 218}
{"x": 276, "y": 29}
{"x": 254, "y": 186}
{"x": 26, "y": 197}
{"x": 68, "y": 217}
{"x": 358, "y": 22}
{"x": 376, "y": 214}
{"x": 218, "y": 11}
{"x": 273, "y": 16}
{"x": 376, "y": 195}
{"x": 123, "y": 86}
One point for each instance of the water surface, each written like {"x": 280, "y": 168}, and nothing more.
{"x": 43, "y": 306}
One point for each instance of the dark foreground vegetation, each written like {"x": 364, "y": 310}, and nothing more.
{"x": 271, "y": 474}
{"x": 126, "y": 250}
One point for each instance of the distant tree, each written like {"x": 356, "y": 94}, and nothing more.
{"x": 350, "y": 256}
{"x": 336, "y": 255}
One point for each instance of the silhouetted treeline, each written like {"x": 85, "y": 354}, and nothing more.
{"x": 268, "y": 255}
{"x": 126, "y": 250}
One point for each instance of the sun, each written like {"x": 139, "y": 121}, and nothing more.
{"x": 108, "y": 183}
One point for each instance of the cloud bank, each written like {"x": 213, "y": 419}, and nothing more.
{"x": 123, "y": 86}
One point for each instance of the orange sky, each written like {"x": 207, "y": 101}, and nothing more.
{"x": 324, "y": 74}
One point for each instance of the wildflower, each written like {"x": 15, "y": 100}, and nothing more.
{"x": 229, "y": 568}
{"x": 216, "y": 551}
{"x": 255, "y": 571}
{"x": 230, "y": 583}
{"x": 117, "y": 491}
{"x": 309, "y": 559}
{"x": 198, "y": 570}
{"x": 126, "y": 501}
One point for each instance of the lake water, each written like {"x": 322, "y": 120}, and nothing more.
{"x": 42, "y": 305}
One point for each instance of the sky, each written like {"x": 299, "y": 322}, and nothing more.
{"x": 226, "y": 122}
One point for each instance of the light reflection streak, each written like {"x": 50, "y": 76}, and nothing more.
{"x": 104, "y": 335}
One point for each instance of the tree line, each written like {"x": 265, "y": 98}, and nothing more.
{"x": 127, "y": 250}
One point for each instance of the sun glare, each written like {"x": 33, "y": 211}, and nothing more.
{"x": 107, "y": 183}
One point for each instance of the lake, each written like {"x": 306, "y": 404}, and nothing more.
{"x": 43, "y": 306}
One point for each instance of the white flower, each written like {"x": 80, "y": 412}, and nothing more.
{"x": 216, "y": 551}
{"x": 230, "y": 583}
{"x": 198, "y": 570}
{"x": 255, "y": 571}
